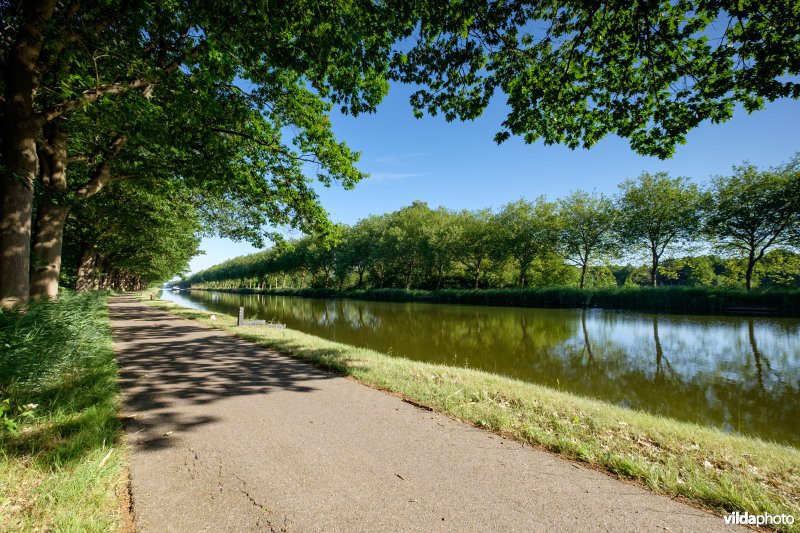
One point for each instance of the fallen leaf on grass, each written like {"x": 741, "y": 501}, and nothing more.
{"x": 106, "y": 458}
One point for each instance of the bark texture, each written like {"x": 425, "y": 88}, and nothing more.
{"x": 19, "y": 158}
{"x": 51, "y": 215}
{"x": 47, "y": 245}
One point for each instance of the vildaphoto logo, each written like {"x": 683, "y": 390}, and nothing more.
{"x": 765, "y": 519}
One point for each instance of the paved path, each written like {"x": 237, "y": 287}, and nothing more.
{"x": 229, "y": 436}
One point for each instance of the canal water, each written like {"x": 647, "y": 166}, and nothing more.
{"x": 740, "y": 374}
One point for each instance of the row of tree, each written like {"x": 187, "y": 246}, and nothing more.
{"x": 742, "y": 216}
{"x": 128, "y": 238}
{"x": 195, "y": 99}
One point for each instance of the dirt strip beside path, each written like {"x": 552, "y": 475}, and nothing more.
{"x": 229, "y": 436}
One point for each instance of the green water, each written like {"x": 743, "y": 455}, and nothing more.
{"x": 735, "y": 373}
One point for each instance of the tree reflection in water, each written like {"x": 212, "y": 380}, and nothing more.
{"x": 708, "y": 370}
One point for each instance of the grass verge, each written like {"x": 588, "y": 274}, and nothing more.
{"x": 684, "y": 300}
{"x": 62, "y": 463}
{"x": 715, "y": 470}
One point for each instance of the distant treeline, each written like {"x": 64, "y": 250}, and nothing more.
{"x": 750, "y": 220}
{"x": 682, "y": 300}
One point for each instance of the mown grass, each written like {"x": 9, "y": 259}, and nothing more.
{"x": 719, "y": 471}
{"x": 64, "y": 468}
{"x": 689, "y": 300}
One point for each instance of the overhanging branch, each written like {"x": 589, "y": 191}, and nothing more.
{"x": 93, "y": 95}
{"x": 271, "y": 145}
{"x": 102, "y": 174}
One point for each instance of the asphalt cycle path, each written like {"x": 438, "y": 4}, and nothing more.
{"x": 224, "y": 435}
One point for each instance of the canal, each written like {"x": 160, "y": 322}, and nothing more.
{"x": 739, "y": 374}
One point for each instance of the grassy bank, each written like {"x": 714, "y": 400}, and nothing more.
{"x": 684, "y": 300}
{"x": 62, "y": 464}
{"x": 710, "y": 468}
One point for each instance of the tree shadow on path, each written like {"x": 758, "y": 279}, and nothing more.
{"x": 171, "y": 372}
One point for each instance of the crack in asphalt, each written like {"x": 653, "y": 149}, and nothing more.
{"x": 223, "y": 479}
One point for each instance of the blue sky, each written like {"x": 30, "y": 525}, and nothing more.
{"x": 459, "y": 166}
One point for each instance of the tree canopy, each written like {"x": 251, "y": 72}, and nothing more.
{"x": 130, "y": 237}
{"x": 575, "y": 72}
{"x": 526, "y": 231}
{"x": 752, "y": 211}
{"x": 588, "y": 228}
{"x": 117, "y": 86}
{"x": 172, "y": 85}
{"x": 659, "y": 212}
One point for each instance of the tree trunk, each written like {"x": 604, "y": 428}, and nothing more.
{"x": 15, "y": 236}
{"x": 409, "y": 271}
{"x": 439, "y": 280}
{"x": 85, "y": 269}
{"x": 51, "y": 215}
{"x": 654, "y": 271}
{"x": 20, "y": 128}
{"x": 360, "y": 278}
{"x": 47, "y": 243}
{"x": 477, "y": 273}
{"x": 748, "y": 276}
{"x": 583, "y": 274}
{"x": 98, "y": 277}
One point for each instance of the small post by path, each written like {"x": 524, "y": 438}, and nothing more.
{"x": 242, "y": 322}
